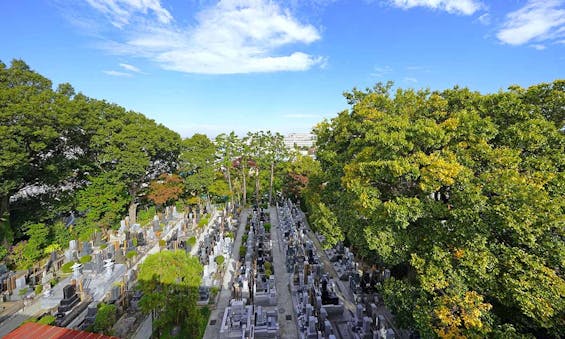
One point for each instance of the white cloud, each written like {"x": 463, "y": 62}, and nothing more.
{"x": 484, "y": 19}
{"x": 232, "y": 36}
{"x": 130, "y": 68}
{"x": 379, "y": 72}
{"x": 121, "y": 12}
{"x": 538, "y": 20}
{"x": 117, "y": 74}
{"x": 411, "y": 80}
{"x": 465, "y": 7}
{"x": 539, "y": 47}
{"x": 301, "y": 116}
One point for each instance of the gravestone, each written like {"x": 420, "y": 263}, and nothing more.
{"x": 140, "y": 239}
{"x": 108, "y": 267}
{"x": 77, "y": 270}
{"x": 70, "y": 299}
{"x": 111, "y": 253}
{"x": 155, "y": 223}
{"x": 119, "y": 257}
{"x": 21, "y": 282}
{"x": 123, "y": 226}
{"x": 68, "y": 255}
{"x": 86, "y": 248}
{"x": 98, "y": 262}
{"x": 98, "y": 239}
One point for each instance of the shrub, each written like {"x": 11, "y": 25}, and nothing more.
{"x": 53, "y": 282}
{"x": 244, "y": 239}
{"x": 85, "y": 259}
{"x": 38, "y": 289}
{"x": 162, "y": 243}
{"x": 23, "y": 291}
{"x": 105, "y": 318}
{"x": 145, "y": 215}
{"x": 47, "y": 320}
{"x": 242, "y": 251}
{"x": 191, "y": 241}
{"x": 268, "y": 265}
{"x": 66, "y": 268}
{"x": 134, "y": 242}
{"x": 131, "y": 254}
{"x": 268, "y": 268}
{"x": 203, "y": 221}
{"x": 219, "y": 259}
{"x": 267, "y": 227}
{"x": 103, "y": 246}
{"x": 213, "y": 292}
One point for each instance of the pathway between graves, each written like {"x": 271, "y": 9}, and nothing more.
{"x": 215, "y": 320}
{"x": 288, "y": 327}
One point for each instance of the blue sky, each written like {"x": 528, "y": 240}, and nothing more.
{"x": 215, "y": 66}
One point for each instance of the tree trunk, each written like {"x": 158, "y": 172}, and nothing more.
{"x": 132, "y": 212}
{"x": 244, "y": 186}
{"x": 5, "y": 229}
{"x": 229, "y": 184}
{"x": 257, "y": 187}
{"x": 271, "y": 183}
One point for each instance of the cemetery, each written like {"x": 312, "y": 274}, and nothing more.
{"x": 252, "y": 310}
{"x": 105, "y": 270}
{"x": 318, "y": 292}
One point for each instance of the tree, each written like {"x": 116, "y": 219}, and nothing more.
{"x": 104, "y": 201}
{"x": 31, "y": 156}
{"x": 461, "y": 195}
{"x": 197, "y": 164}
{"x": 226, "y": 152}
{"x": 166, "y": 189}
{"x": 301, "y": 170}
{"x": 106, "y": 317}
{"x": 135, "y": 150}
{"x": 169, "y": 281}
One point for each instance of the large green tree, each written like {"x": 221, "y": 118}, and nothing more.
{"x": 35, "y": 125}
{"x": 197, "y": 165}
{"x": 462, "y": 195}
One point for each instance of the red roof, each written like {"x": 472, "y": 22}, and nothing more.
{"x": 35, "y": 330}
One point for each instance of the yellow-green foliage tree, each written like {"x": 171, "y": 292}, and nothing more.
{"x": 461, "y": 194}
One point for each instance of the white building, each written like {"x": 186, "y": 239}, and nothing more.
{"x": 300, "y": 140}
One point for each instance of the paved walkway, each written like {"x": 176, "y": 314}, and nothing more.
{"x": 214, "y": 323}
{"x": 288, "y": 328}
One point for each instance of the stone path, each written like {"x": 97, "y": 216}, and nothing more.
{"x": 214, "y": 322}
{"x": 288, "y": 328}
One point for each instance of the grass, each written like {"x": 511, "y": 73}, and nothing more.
{"x": 47, "y": 320}
{"x": 85, "y": 259}
{"x": 66, "y": 268}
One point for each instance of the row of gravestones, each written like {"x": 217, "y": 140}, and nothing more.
{"x": 315, "y": 298}
{"x": 366, "y": 322}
